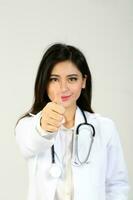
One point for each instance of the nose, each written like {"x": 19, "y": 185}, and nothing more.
{"x": 63, "y": 85}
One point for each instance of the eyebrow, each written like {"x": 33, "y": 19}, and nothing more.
{"x": 56, "y": 75}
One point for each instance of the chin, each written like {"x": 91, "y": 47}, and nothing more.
{"x": 69, "y": 105}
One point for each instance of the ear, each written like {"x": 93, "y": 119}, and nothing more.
{"x": 84, "y": 81}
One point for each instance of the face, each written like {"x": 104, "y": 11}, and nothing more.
{"x": 65, "y": 84}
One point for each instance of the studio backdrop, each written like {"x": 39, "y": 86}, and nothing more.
{"x": 103, "y": 31}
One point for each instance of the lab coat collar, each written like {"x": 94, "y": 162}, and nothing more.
{"x": 79, "y": 118}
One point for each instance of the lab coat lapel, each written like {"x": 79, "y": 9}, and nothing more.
{"x": 78, "y": 117}
{"x": 85, "y": 174}
{"x": 58, "y": 147}
{"x": 92, "y": 118}
{"x": 78, "y": 120}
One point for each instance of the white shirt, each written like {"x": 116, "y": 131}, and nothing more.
{"x": 65, "y": 183}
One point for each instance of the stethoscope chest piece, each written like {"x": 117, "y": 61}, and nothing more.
{"x": 55, "y": 171}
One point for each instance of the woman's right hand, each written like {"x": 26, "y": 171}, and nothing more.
{"x": 52, "y": 116}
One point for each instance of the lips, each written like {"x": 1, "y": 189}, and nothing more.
{"x": 65, "y": 98}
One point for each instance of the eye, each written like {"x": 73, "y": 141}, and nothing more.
{"x": 53, "y": 79}
{"x": 73, "y": 79}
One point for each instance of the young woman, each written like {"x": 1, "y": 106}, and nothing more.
{"x": 72, "y": 153}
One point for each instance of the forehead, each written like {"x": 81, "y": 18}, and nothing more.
{"x": 64, "y": 68}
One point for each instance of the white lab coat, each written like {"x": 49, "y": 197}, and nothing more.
{"x": 104, "y": 178}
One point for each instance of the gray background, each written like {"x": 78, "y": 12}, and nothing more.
{"x": 102, "y": 29}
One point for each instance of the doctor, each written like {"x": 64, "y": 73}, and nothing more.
{"x": 67, "y": 160}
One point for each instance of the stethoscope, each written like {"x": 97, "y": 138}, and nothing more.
{"x": 55, "y": 170}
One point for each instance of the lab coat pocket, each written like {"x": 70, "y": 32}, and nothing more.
{"x": 86, "y": 183}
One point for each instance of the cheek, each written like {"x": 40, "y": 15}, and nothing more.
{"x": 50, "y": 92}
{"x": 77, "y": 90}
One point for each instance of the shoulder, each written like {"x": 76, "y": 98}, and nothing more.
{"x": 105, "y": 125}
{"x": 30, "y": 120}
{"x": 106, "y": 121}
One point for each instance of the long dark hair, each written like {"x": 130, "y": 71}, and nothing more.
{"x": 59, "y": 52}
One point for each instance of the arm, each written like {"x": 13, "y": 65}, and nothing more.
{"x": 33, "y": 138}
{"x": 116, "y": 175}
{"x": 30, "y": 138}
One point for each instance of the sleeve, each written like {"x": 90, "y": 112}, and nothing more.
{"x": 31, "y": 139}
{"x": 116, "y": 175}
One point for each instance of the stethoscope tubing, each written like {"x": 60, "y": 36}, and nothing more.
{"x": 77, "y": 161}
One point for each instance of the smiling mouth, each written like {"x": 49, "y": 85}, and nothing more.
{"x": 65, "y": 98}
